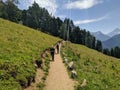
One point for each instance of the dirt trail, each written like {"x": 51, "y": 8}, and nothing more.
{"x": 39, "y": 75}
{"x": 58, "y": 78}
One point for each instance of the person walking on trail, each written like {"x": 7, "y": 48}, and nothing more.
{"x": 57, "y": 47}
{"x": 52, "y": 51}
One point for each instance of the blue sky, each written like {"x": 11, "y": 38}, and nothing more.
{"x": 92, "y": 15}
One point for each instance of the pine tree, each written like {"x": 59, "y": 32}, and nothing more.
{"x": 106, "y": 51}
{"x": 112, "y": 52}
{"x": 99, "y": 46}
{"x": 14, "y": 14}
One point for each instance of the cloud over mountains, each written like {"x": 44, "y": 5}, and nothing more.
{"x": 78, "y": 22}
{"x": 82, "y": 4}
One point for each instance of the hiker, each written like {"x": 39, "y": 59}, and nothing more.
{"x": 52, "y": 51}
{"x": 57, "y": 48}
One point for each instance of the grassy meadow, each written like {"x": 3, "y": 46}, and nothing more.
{"x": 20, "y": 46}
{"x": 102, "y": 72}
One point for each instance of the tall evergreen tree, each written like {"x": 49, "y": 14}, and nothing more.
{"x": 117, "y": 52}
{"x": 14, "y": 14}
{"x": 106, "y": 51}
{"x": 99, "y": 46}
{"x": 63, "y": 31}
{"x": 112, "y": 52}
{"x": 3, "y": 10}
{"x": 93, "y": 42}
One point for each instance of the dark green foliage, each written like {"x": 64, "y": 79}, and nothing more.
{"x": 14, "y": 14}
{"x": 63, "y": 31}
{"x": 112, "y": 52}
{"x": 99, "y": 46}
{"x": 106, "y": 51}
{"x": 84, "y": 37}
{"x": 3, "y": 10}
{"x": 13, "y": 1}
{"x": 9, "y": 84}
{"x": 40, "y": 86}
{"x": 38, "y": 62}
{"x": 115, "y": 52}
{"x": 39, "y": 18}
{"x": 10, "y": 11}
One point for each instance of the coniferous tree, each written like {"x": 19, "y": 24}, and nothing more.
{"x": 93, "y": 42}
{"x": 13, "y": 1}
{"x": 63, "y": 31}
{"x": 8, "y": 10}
{"x": 106, "y": 51}
{"x": 14, "y": 14}
{"x": 3, "y": 10}
{"x": 99, "y": 46}
{"x": 112, "y": 52}
{"x": 117, "y": 52}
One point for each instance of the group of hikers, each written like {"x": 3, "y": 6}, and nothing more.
{"x": 52, "y": 50}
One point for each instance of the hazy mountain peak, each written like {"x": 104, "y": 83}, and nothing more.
{"x": 112, "y": 42}
{"x": 114, "y": 32}
{"x": 100, "y": 36}
{"x": 99, "y": 32}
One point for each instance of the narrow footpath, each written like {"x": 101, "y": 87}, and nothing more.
{"x": 58, "y": 78}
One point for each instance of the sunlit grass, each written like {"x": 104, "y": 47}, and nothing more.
{"x": 20, "y": 46}
{"x": 101, "y": 72}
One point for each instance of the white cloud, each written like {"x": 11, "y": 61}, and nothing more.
{"x": 82, "y": 4}
{"x": 50, "y": 5}
{"x": 90, "y": 20}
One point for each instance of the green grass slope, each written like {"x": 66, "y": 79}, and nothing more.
{"x": 20, "y": 46}
{"x": 101, "y": 72}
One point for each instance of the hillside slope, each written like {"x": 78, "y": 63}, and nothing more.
{"x": 20, "y": 46}
{"x": 100, "y": 71}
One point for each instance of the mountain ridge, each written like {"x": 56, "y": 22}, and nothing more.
{"x": 112, "y": 42}
{"x": 114, "y": 32}
{"x": 100, "y": 36}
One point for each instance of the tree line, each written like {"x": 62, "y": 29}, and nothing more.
{"x": 115, "y": 52}
{"x": 40, "y": 19}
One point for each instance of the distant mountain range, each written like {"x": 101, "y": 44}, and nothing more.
{"x": 114, "y": 32}
{"x": 109, "y": 40}
{"x": 100, "y": 36}
{"x": 112, "y": 42}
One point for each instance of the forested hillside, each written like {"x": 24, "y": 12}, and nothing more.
{"x": 39, "y": 18}
{"x": 20, "y": 47}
